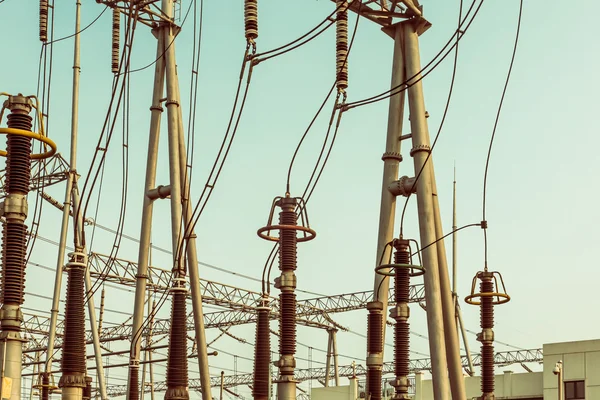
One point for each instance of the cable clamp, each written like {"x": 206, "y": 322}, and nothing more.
{"x": 484, "y": 224}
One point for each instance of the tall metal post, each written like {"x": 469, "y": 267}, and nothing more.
{"x": 95, "y": 335}
{"x": 71, "y": 184}
{"x": 328, "y": 360}
{"x": 391, "y": 164}
{"x": 387, "y": 211}
{"x": 421, "y": 149}
{"x": 459, "y": 321}
{"x": 192, "y": 260}
{"x": 146, "y": 225}
{"x": 457, "y": 383}
{"x": 336, "y": 371}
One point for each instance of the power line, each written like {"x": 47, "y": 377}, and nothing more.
{"x": 489, "y": 153}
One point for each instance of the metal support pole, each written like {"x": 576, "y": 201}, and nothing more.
{"x": 192, "y": 261}
{"x": 95, "y": 336}
{"x": 457, "y": 382}
{"x": 146, "y": 225}
{"x": 335, "y": 360}
{"x": 71, "y": 184}
{"x": 464, "y": 338}
{"x": 420, "y": 151}
{"x": 222, "y": 381}
{"x": 391, "y": 163}
{"x": 328, "y": 361}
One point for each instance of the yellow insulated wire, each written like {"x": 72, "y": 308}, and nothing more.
{"x": 116, "y": 29}
{"x": 44, "y": 20}
{"x": 341, "y": 45}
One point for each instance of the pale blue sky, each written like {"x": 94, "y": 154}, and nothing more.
{"x": 542, "y": 197}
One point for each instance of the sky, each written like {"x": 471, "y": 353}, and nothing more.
{"x": 541, "y": 200}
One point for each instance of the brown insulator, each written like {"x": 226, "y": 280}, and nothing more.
{"x": 287, "y": 238}
{"x": 134, "y": 384}
{"x": 375, "y": 331}
{"x": 18, "y": 161}
{"x": 374, "y": 385}
{"x": 87, "y": 390}
{"x": 73, "y": 360}
{"x": 177, "y": 367}
{"x": 487, "y": 323}
{"x": 45, "y": 386}
{"x": 116, "y": 32}
{"x": 487, "y": 304}
{"x": 487, "y": 368}
{"x": 13, "y": 265}
{"x": 44, "y": 20}
{"x": 341, "y": 50}
{"x": 251, "y": 19}
{"x": 287, "y": 326}
{"x": 262, "y": 355}
{"x": 401, "y": 348}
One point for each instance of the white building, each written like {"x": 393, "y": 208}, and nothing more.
{"x": 581, "y": 376}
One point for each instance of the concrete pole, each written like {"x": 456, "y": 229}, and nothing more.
{"x": 420, "y": 151}
{"x": 147, "y": 208}
{"x": 335, "y": 359}
{"x": 192, "y": 261}
{"x": 457, "y": 382}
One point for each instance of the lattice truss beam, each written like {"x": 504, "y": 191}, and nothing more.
{"x": 503, "y": 358}
{"x": 383, "y": 12}
{"x": 44, "y": 173}
{"x": 241, "y": 304}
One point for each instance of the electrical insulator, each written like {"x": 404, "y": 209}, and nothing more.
{"x": 116, "y": 32}
{"x": 341, "y": 45}
{"x": 374, "y": 349}
{"x": 73, "y": 362}
{"x": 44, "y": 20}
{"x": 251, "y": 19}
{"x": 177, "y": 366}
{"x": 401, "y": 270}
{"x": 490, "y": 294}
{"x": 262, "y": 351}
{"x": 87, "y": 391}
{"x": 288, "y": 238}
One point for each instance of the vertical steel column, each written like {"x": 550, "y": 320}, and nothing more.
{"x": 421, "y": 149}
{"x": 391, "y": 163}
{"x": 328, "y": 361}
{"x": 95, "y": 335}
{"x": 457, "y": 382}
{"x": 336, "y": 370}
{"x": 69, "y": 192}
{"x": 146, "y": 225}
{"x": 192, "y": 262}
